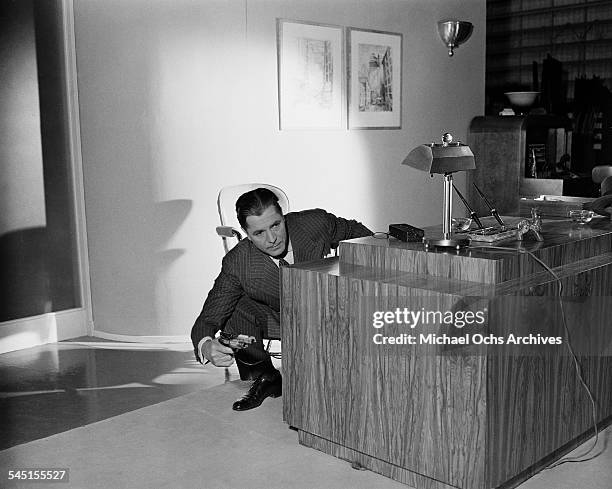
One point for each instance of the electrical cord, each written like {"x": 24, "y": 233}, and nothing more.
{"x": 248, "y": 363}
{"x": 274, "y": 354}
{"x": 577, "y": 366}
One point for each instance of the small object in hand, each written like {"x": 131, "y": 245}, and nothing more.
{"x": 461, "y": 224}
{"x": 236, "y": 342}
{"x": 581, "y": 216}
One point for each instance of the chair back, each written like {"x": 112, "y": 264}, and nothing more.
{"x": 606, "y": 186}
{"x": 226, "y": 203}
{"x": 600, "y": 172}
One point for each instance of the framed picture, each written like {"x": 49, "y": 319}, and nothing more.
{"x": 311, "y": 92}
{"x": 375, "y": 79}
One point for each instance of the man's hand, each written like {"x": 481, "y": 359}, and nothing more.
{"x": 217, "y": 354}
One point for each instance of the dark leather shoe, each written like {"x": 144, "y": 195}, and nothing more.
{"x": 266, "y": 385}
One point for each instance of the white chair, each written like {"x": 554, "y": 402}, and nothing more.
{"x": 230, "y": 230}
{"x": 606, "y": 186}
{"x": 601, "y": 173}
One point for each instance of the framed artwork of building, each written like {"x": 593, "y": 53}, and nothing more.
{"x": 311, "y": 85}
{"x": 374, "y": 79}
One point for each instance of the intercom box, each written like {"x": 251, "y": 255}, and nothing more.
{"x": 406, "y": 232}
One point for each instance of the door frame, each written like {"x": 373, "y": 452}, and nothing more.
{"x": 56, "y": 326}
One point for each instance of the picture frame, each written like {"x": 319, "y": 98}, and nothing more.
{"x": 311, "y": 75}
{"x": 374, "y": 79}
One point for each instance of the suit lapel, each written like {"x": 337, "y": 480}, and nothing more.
{"x": 263, "y": 271}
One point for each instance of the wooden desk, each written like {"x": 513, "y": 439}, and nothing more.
{"x": 439, "y": 416}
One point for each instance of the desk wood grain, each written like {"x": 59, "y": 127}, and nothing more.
{"x": 436, "y": 418}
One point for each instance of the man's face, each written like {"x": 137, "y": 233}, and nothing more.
{"x": 268, "y": 232}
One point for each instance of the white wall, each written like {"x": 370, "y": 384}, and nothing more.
{"x": 179, "y": 98}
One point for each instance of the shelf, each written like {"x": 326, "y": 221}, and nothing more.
{"x": 550, "y": 46}
{"x": 546, "y": 10}
{"x": 493, "y": 34}
{"x": 528, "y": 66}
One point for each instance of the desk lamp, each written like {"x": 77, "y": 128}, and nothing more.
{"x": 445, "y": 158}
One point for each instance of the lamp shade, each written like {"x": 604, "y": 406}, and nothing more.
{"x": 440, "y": 158}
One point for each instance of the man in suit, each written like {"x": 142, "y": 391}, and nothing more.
{"x": 245, "y": 296}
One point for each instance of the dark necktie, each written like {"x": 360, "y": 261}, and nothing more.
{"x": 283, "y": 263}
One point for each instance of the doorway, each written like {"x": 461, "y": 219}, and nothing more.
{"x": 43, "y": 255}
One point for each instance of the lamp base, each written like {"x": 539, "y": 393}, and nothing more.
{"x": 456, "y": 243}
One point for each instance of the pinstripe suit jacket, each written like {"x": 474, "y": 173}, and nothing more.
{"x": 248, "y": 271}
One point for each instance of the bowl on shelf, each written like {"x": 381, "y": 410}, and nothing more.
{"x": 522, "y": 99}
{"x": 460, "y": 224}
{"x": 581, "y": 216}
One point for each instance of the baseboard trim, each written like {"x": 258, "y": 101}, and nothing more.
{"x": 51, "y": 327}
{"x": 141, "y": 339}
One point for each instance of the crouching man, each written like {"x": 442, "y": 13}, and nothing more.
{"x": 245, "y": 297}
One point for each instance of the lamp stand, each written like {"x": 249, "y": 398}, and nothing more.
{"x": 447, "y": 241}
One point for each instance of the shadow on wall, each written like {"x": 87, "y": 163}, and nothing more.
{"x": 169, "y": 216}
{"x": 36, "y": 279}
{"x": 138, "y": 106}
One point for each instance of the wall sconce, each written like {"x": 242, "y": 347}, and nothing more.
{"x": 454, "y": 33}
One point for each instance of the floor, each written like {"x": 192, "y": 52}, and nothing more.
{"x": 56, "y": 388}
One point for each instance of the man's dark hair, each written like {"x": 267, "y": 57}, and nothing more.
{"x": 254, "y": 203}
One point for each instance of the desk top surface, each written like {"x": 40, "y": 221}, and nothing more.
{"x": 481, "y": 268}
{"x": 554, "y": 231}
